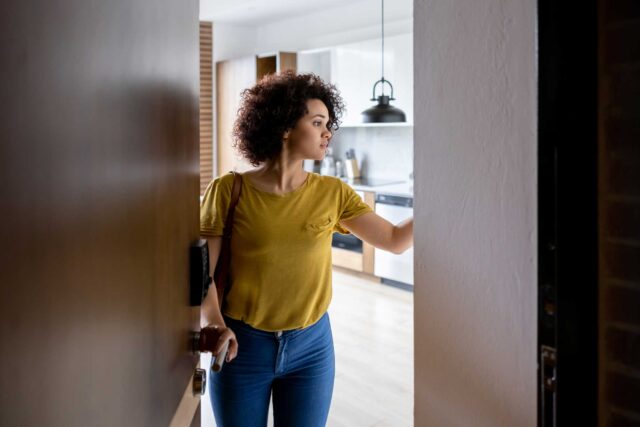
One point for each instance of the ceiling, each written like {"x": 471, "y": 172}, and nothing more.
{"x": 251, "y": 12}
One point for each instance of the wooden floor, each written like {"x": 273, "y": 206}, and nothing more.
{"x": 373, "y": 335}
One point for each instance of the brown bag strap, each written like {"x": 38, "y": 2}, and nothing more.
{"x": 235, "y": 196}
{"x": 221, "y": 272}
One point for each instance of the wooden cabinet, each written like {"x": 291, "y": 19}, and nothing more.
{"x": 360, "y": 262}
{"x": 347, "y": 259}
{"x": 275, "y": 62}
{"x": 232, "y": 77}
{"x": 367, "y": 249}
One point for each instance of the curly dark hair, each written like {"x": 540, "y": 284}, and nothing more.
{"x": 273, "y": 106}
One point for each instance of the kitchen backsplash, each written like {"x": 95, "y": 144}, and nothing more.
{"x": 382, "y": 152}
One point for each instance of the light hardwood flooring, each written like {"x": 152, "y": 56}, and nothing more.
{"x": 373, "y": 336}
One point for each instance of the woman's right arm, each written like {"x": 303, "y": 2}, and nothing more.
{"x": 210, "y": 315}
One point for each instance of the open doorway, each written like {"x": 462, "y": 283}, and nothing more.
{"x": 372, "y": 305}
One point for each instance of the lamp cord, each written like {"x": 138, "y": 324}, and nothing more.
{"x": 382, "y": 47}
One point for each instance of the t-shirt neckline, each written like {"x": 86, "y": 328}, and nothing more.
{"x": 295, "y": 191}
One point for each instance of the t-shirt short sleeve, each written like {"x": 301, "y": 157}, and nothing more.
{"x": 214, "y": 206}
{"x": 352, "y": 206}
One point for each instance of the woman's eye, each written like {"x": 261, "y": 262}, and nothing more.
{"x": 317, "y": 123}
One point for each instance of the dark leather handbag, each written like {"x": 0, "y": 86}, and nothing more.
{"x": 221, "y": 272}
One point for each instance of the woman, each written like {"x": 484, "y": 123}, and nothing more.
{"x": 275, "y": 316}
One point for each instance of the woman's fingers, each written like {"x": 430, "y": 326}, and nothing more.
{"x": 209, "y": 337}
{"x": 233, "y": 350}
{"x": 227, "y": 338}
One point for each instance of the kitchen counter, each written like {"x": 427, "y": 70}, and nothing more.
{"x": 401, "y": 189}
{"x": 398, "y": 189}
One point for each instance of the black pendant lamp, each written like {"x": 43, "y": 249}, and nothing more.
{"x": 383, "y": 112}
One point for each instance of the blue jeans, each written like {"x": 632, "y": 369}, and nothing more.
{"x": 297, "y": 366}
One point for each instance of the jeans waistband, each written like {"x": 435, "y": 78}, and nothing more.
{"x": 235, "y": 324}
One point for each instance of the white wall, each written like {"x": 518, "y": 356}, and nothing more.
{"x": 232, "y": 41}
{"x": 475, "y": 210}
{"x": 356, "y": 67}
{"x": 347, "y": 23}
{"x": 383, "y": 153}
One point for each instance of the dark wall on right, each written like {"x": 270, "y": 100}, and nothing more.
{"x": 619, "y": 212}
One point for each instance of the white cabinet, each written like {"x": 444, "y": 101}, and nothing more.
{"x": 386, "y": 264}
{"x": 317, "y": 62}
{"x": 355, "y": 67}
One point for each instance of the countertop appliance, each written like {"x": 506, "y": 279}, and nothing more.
{"x": 351, "y": 165}
{"x": 348, "y": 242}
{"x": 394, "y": 269}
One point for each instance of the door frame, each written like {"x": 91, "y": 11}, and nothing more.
{"x": 567, "y": 211}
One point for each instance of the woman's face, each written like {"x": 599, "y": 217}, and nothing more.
{"x": 310, "y": 137}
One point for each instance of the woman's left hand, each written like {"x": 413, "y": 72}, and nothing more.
{"x": 213, "y": 339}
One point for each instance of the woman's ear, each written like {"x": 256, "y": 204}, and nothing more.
{"x": 285, "y": 136}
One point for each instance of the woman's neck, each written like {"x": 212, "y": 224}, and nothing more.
{"x": 277, "y": 176}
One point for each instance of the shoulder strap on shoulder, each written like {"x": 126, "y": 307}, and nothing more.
{"x": 236, "y": 190}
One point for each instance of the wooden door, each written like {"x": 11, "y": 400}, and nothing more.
{"x": 99, "y": 196}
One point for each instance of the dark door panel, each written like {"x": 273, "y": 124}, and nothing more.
{"x": 567, "y": 214}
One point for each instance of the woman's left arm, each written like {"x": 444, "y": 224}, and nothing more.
{"x": 380, "y": 233}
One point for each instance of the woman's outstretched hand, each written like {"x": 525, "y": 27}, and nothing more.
{"x": 380, "y": 233}
{"x": 214, "y": 337}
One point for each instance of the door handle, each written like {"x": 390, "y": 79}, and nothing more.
{"x": 199, "y": 375}
{"x": 199, "y": 344}
{"x": 191, "y": 397}
{"x": 199, "y": 382}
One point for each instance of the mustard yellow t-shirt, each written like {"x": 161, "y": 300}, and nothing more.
{"x": 280, "y": 248}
